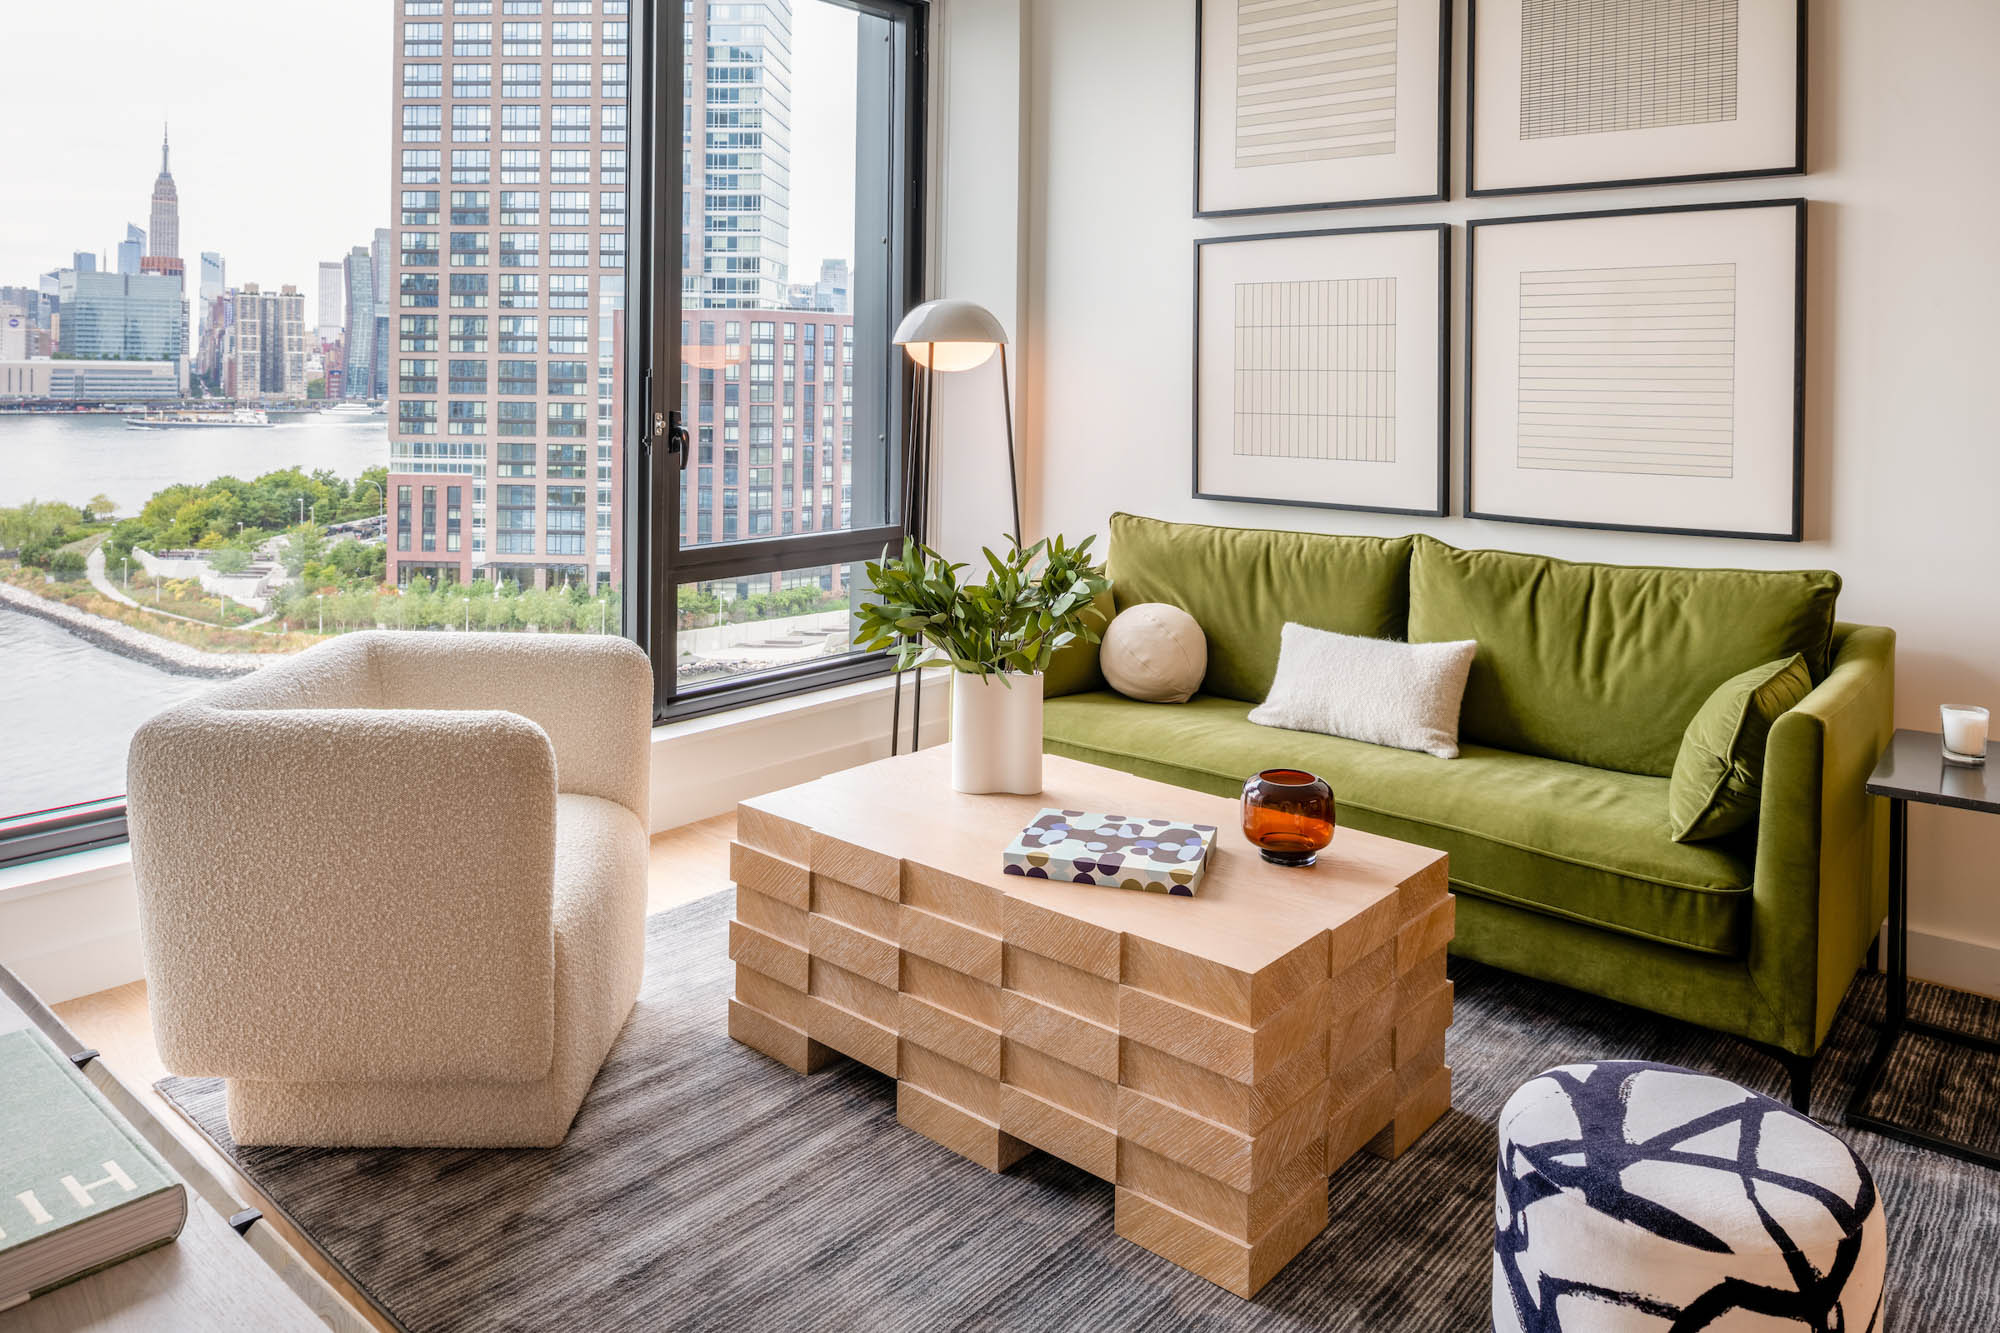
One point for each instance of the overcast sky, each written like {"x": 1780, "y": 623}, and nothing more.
{"x": 282, "y": 141}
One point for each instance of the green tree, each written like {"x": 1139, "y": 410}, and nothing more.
{"x": 359, "y": 560}
{"x": 125, "y": 535}
{"x": 38, "y": 523}
{"x": 307, "y": 546}
{"x": 205, "y": 519}
{"x": 229, "y": 560}
{"x": 697, "y": 608}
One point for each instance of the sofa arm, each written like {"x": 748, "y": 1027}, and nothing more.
{"x": 1821, "y": 880}
{"x": 592, "y": 694}
{"x": 346, "y": 895}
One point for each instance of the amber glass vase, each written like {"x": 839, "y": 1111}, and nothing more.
{"x": 1288, "y": 815}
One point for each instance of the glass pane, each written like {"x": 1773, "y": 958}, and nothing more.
{"x": 787, "y": 147}
{"x": 733, "y": 628}
{"x": 377, "y": 381}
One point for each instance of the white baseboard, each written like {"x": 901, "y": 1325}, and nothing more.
{"x": 1962, "y": 964}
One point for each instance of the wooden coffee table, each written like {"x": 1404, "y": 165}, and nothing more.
{"x": 1213, "y": 1057}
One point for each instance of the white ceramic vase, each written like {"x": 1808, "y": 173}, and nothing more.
{"x": 996, "y": 733}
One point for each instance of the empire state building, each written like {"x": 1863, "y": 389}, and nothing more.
{"x": 165, "y": 236}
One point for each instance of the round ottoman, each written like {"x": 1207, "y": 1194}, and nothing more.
{"x": 1640, "y": 1197}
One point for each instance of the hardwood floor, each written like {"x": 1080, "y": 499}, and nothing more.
{"x": 687, "y": 863}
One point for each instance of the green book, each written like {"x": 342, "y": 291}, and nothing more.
{"x": 79, "y": 1189}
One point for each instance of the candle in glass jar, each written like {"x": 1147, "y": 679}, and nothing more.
{"x": 1964, "y": 731}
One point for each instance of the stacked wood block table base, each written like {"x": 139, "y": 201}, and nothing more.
{"x": 1215, "y": 1058}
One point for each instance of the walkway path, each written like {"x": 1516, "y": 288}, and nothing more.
{"x": 93, "y": 566}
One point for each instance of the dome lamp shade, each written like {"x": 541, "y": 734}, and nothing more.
{"x": 950, "y": 335}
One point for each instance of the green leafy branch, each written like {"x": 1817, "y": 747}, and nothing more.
{"x": 1033, "y": 602}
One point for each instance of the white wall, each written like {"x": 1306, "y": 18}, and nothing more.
{"x": 976, "y": 246}
{"x": 1903, "y": 467}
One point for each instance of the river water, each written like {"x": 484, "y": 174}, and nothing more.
{"x": 67, "y": 711}
{"x": 72, "y": 457}
{"x": 67, "y": 707}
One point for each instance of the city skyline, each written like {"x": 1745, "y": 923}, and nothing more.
{"x": 308, "y": 200}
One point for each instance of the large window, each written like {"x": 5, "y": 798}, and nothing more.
{"x": 797, "y": 254}
{"x": 420, "y": 391}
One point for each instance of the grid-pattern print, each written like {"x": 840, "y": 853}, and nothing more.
{"x": 1593, "y": 66}
{"x": 1629, "y": 370}
{"x": 1316, "y": 369}
{"x": 1315, "y": 80}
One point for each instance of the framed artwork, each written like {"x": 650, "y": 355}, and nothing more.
{"x": 1586, "y": 94}
{"x": 1320, "y": 104}
{"x": 1321, "y": 368}
{"x": 1640, "y": 370}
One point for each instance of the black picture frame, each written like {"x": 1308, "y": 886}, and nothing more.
{"x": 1441, "y": 508}
{"x": 1797, "y": 166}
{"x": 1796, "y": 532}
{"x": 1440, "y": 195}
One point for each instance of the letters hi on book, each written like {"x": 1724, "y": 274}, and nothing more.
{"x": 79, "y": 1189}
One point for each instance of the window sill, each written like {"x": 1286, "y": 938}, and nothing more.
{"x": 802, "y": 704}
{"x": 68, "y": 871}
{"x": 761, "y": 738}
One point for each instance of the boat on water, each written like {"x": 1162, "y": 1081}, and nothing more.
{"x": 353, "y": 410}
{"x": 241, "y": 418}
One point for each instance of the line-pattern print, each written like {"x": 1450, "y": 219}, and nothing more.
{"x": 1593, "y": 66}
{"x": 1629, "y": 370}
{"x": 1316, "y": 370}
{"x": 1315, "y": 80}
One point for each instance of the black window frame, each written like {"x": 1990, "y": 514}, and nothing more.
{"x": 651, "y": 606}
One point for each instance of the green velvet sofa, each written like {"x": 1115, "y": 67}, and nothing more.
{"x": 1555, "y": 812}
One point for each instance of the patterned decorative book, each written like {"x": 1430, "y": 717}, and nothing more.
{"x": 1120, "y": 851}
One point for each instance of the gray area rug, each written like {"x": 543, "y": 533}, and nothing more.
{"x": 707, "y": 1187}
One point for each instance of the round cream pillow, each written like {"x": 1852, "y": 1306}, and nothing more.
{"x": 1154, "y": 652}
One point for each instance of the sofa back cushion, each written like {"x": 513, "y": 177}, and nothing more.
{"x": 1606, "y": 664}
{"x": 1242, "y": 584}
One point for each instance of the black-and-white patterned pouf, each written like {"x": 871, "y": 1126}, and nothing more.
{"x": 1637, "y": 1198}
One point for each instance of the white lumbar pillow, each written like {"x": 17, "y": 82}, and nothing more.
{"x": 1154, "y": 652}
{"x": 1404, "y": 695}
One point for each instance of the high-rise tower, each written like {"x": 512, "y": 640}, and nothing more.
{"x": 358, "y": 275}
{"x": 166, "y": 230}
{"x": 131, "y": 250}
{"x": 507, "y": 287}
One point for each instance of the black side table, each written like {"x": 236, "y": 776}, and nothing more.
{"x": 1913, "y": 768}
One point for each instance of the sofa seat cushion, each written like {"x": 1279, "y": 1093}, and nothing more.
{"x": 1587, "y": 844}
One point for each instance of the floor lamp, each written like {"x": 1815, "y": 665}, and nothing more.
{"x": 944, "y": 336}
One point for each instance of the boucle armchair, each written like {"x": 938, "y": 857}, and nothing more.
{"x": 393, "y": 890}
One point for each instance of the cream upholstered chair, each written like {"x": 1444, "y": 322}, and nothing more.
{"x": 393, "y": 890}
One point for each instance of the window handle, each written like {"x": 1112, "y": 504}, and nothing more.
{"x": 667, "y": 428}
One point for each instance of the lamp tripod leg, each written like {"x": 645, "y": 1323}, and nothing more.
{"x": 1013, "y": 471}
{"x": 920, "y": 516}
{"x": 896, "y": 714}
